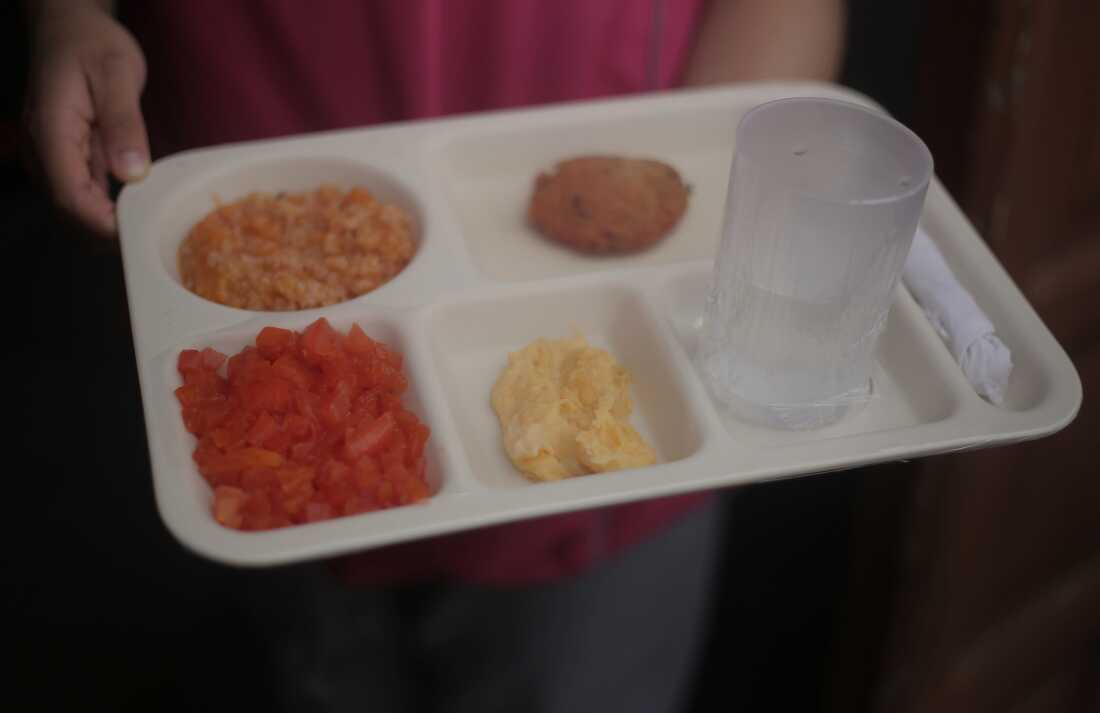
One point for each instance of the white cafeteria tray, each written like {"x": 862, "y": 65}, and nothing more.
{"x": 483, "y": 284}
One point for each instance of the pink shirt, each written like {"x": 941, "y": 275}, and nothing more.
{"x": 233, "y": 70}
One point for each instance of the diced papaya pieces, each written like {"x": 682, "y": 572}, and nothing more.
{"x": 228, "y": 503}
{"x": 358, "y": 343}
{"x": 320, "y": 342}
{"x": 273, "y": 342}
{"x": 302, "y": 427}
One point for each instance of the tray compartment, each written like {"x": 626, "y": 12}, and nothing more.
{"x": 196, "y": 198}
{"x": 913, "y": 384}
{"x": 488, "y": 176}
{"x": 471, "y": 339}
{"x": 1042, "y": 374}
{"x": 178, "y": 444}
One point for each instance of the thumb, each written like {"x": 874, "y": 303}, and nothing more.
{"x": 115, "y": 83}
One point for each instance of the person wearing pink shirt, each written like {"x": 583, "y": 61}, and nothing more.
{"x": 604, "y": 608}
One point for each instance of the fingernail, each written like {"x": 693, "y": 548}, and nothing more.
{"x": 133, "y": 165}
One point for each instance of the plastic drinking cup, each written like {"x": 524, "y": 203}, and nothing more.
{"x": 824, "y": 199}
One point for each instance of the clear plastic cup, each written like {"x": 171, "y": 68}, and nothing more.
{"x": 824, "y": 199}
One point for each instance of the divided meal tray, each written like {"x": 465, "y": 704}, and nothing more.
{"x": 483, "y": 284}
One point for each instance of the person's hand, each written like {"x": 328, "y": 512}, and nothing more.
{"x": 83, "y": 112}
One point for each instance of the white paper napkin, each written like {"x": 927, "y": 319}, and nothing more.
{"x": 967, "y": 331}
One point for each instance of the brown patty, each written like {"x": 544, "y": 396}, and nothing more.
{"x": 608, "y": 204}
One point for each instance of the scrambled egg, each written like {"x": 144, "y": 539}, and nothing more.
{"x": 564, "y": 407}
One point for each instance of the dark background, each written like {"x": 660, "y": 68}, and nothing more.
{"x": 110, "y": 613}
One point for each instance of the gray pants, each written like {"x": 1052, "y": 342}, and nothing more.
{"x": 626, "y": 636}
